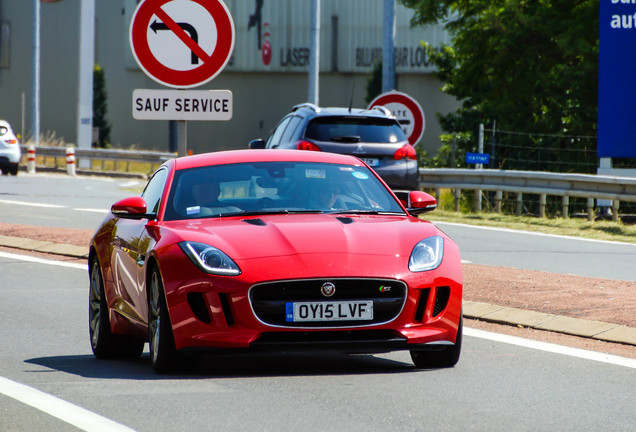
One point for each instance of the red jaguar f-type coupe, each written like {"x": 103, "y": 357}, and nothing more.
{"x": 261, "y": 250}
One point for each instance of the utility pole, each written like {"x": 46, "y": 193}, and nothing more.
{"x": 388, "y": 42}
{"x": 35, "y": 106}
{"x": 86, "y": 65}
{"x": 314, "y": 55}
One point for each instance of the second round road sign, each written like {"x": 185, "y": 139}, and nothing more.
{"x": 182, "y": 43}
{"x": 408, "y": 112}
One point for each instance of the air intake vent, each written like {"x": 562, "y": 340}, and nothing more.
{"x": 421, "y": 305}
{"x": 345, "y": 220}
{"x": 257, "y": 222}
{"x": 225, "y": 304}
{"x": 199, "y": 307}
{"x": 441, "y": 300}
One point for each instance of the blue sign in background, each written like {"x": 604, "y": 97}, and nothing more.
{"x": 477, "y": 158}
{"x": 617, "y": 80}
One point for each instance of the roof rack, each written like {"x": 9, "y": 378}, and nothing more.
{"x": 306, "y": 105}
{"x": 383, "y": 109}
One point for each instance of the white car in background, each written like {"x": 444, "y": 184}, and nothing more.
{"x": 10, "y": 153}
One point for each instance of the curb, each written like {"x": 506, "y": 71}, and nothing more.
{"x": 44, "y": 247}
{"x": 598, "y": 330}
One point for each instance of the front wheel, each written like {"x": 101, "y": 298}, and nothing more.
{"x": 444, "y": 358}
{"x": 104, "y": 343}
{"x": 163, "y": 353}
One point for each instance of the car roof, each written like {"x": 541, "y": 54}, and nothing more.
{"x": 316, "y": 111}
{"x": 247, "y": 156}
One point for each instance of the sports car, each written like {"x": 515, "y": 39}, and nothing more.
{"x": 251, "y": 250}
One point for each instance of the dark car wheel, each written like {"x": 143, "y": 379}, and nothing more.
{"x": 444, "y": 358}
{"x": 14, "y": 170}
{"x": 163, "y": 353}
{"x": 103, "y": 342}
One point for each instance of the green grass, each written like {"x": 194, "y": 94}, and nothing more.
{"x": 576, "y": 227}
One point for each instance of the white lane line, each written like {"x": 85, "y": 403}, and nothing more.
{"x": 91, "y": 210}
{"x": 553, "y": 348}
{"x": 58, "y": 206}
{"x": 37, "y": 260}
{"x": 32, "y": 204}
{"x": 58, "y": 408}
{"x": 533, "y": 233}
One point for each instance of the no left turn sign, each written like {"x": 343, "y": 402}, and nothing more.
{"x": 182, "y": 43}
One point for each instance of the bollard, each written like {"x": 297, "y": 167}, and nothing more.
{"x": 70, "y": 161}
{"x": 31, "y": 159}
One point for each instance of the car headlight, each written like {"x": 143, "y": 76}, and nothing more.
{"x": 427, "y": 254}
{"x": 210, "y": 259}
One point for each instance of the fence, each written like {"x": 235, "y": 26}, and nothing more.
{"x": 564, "y": 185}
{"x": 93, "y": 154}
{"x": 541, "y": 152}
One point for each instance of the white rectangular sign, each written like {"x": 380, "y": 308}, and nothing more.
{"x": 215, "y": 105}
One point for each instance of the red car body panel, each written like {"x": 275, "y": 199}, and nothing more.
{"x": 279, "y": 247}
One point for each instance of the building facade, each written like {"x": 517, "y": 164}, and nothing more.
{"x": 267, "y": 73}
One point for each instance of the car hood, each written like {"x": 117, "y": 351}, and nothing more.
{"x": 289, "y": 235}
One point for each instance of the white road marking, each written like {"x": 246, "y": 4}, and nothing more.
{"x": 58, "y": 206}
{"x": 58, "y": 408}
{"x": 553, "y": 348}
{"x": 534, "y": 233}
{"x": 37, "y": 260}
{"x": 32, "y": 204}
{"x": 91, "y": 210}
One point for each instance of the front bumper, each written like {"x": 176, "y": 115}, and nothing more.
{"x": 217, "y": 313}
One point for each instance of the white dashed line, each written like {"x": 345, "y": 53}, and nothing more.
{"x": 58, "y": 408}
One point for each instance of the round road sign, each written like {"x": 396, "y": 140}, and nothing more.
{"x": 408, "y": 112}
{"x": 182, "y": 43}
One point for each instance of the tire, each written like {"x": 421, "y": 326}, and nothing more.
{"x": 14, "y": 170}
{"x": 444, "y": 358}
{"x": 104, "y": 343}
{"x": 163, "y": 353}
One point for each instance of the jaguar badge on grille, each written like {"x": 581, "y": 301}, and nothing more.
{"x": 328, "y": 289}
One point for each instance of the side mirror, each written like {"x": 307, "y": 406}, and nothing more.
{"x": 131, "y": 208}
{"x": 420, "y": 202}
{"x": 257, "y": 144}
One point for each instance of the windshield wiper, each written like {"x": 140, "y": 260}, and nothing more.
{"x": 271, "y": 212}
{"x": 369, "y": 212}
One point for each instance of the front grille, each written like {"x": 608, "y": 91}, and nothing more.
{"x": 269, "y": 300}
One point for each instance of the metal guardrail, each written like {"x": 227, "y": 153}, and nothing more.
{"x": 105, "y": 154}
{"x": 588, "y": 186}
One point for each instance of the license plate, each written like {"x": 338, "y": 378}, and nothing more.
{"x": 371, "y": 162}
{"x": 329, "y": 311}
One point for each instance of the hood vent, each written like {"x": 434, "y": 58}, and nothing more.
{"x": 345, "y": 220}
{"x": 257, "y": 222}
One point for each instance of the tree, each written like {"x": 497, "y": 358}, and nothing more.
{"x": 100, "y": 107}
{"x": 531, "y": 65}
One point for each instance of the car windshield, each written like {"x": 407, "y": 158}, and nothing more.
{"x": 355, "y": 129}
{"x": 277, "y": 187}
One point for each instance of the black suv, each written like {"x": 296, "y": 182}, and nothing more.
{"x": 372, "y": 135}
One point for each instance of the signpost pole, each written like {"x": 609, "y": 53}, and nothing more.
{"x": 388, "y": 42}
{"x": 182, "y": 138}
{"x": 35, "y": 113}
{"x": 314, "y": 56}
{"x": 479, "y": 166}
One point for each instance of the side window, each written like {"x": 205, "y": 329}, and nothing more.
{"x": 274, "y": 140}
{"x": 154, "y": 189}
{"x": 290, "y": 129}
